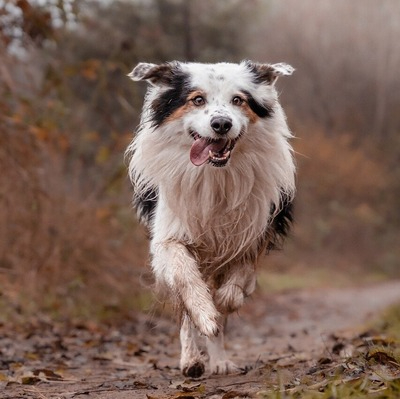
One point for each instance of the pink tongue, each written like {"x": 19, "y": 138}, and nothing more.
{"x": 199, "y": 152}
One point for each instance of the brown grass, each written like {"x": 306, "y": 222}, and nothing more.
{"x": 342, "y": 218}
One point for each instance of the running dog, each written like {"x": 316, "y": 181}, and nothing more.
{"x": 214, "y": 180}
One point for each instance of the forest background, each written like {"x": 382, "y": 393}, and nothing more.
{"x": 69, "y": 241}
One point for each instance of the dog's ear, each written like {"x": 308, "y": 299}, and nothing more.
{"x": 157, "y": 75}
{"x": 269, "y": 73}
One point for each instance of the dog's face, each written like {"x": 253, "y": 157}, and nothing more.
{"x": 211, "y": 106}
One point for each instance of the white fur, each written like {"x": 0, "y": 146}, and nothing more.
{"x": 222, "y": 212}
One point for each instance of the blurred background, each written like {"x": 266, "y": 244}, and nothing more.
{"x": 69, "y": 241}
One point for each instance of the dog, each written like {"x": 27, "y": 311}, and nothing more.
{"x": 214, "y": 182}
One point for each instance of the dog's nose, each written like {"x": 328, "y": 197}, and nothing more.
{"x": 221, "y": 125}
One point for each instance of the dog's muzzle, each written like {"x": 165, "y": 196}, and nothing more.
{"x": 214, "y": 151}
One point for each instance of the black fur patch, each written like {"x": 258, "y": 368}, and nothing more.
{"x": 261, "y": 110}
{"x": 145, "y": 205}
{"x": 263, "y": 73}
{"x": 281, "y": 223}
{"x": 160, "y": 73}
{"x": 173, "y": 98}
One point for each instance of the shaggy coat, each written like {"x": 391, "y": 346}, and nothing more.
{"x": 214, "y": 180}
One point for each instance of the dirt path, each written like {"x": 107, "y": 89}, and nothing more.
{"x": 275, "y": 338}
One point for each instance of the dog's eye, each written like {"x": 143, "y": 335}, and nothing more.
{"x": 237, "y": 100}
{"x": 198, "y": 100}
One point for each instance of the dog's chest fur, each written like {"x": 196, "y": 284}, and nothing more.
{"x": 218, "y": 222}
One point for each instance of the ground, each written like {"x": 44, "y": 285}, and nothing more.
{"x": 281, "y": 341}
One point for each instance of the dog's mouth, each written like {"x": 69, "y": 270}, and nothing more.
{"x": 214, "y": 151}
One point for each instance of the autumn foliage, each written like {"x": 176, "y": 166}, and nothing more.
{"x": 68, "y": 235}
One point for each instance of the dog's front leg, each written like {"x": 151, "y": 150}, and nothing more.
{"x": 192, "y": 363}
{"x": 176, "y": 268}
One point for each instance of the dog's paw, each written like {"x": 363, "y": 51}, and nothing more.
{"x": 224, "y": 367}
{"x": 194, "y": 370}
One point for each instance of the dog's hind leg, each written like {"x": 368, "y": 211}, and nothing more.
{"x": 192, "y": 363}
{"x": 238, "y": 283}
{"x": 219, "y": 362}
{"x": 176, "y": 268}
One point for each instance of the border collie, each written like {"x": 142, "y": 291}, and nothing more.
{"x": 214, "y": 179}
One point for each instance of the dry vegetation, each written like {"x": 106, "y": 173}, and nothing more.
{"x": 67, "y": 233}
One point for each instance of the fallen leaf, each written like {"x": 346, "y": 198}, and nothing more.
{"x": 29, "y": 380}
{"x": 46, "y": 374}
{"x": 383, "y": 357}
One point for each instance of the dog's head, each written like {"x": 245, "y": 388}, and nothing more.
{"x": 211, "y": 106}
